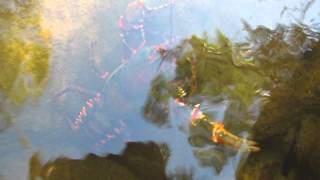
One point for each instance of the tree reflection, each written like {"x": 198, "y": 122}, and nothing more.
{"x": 156, "y": 108}
{"x": 24, "y": 52}
{"x": 267, "y": 81}
{"x": 137, "y": 161}
{"x": 287, "y": 127}
{"x": 211, "y": 72}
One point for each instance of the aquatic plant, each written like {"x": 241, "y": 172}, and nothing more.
{"x": 24, "y": 50}
{"x": 252, "y": 76}
{"x": 24, "y": 54}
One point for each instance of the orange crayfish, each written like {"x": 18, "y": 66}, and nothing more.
{"x": 220, "y": 135}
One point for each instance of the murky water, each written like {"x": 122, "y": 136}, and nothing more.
{"x": 166, "y": 89}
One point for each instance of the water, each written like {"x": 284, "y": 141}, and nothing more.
{"x": 78, "y": 76}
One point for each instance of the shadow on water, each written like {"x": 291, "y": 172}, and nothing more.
{"x": 24, "y": 56}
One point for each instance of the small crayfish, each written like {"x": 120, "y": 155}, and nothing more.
{"x": 220, "y": 135}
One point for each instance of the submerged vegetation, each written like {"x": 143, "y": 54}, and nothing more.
{"x": 24, "y": 52}
{"x": 270, "y": 84}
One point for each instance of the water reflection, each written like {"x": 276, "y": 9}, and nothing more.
{"x": 287, "y": 125}
{"x": 132, "y": 71}
{"x": 275, "y": 70}
{"x": 137, "y": 161}
{"x": 211, "y": 73}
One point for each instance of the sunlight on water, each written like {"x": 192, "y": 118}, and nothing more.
{"x": 65, "y": 17}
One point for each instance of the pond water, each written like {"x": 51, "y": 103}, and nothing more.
{"x": 88, "y": 77}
